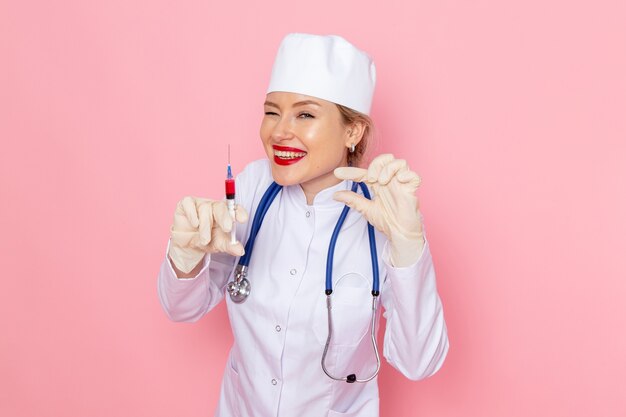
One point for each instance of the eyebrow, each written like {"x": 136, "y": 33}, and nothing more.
{"x": 299, "y": 103}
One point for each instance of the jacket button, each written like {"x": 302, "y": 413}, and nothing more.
{"x": 274, "y": 382}
{"x": 293, "y": 272}
{"x": 278, "y": 328}
{"x": 308, "y": 214}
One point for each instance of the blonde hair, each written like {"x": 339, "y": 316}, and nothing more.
{"x": 349, "y": 117}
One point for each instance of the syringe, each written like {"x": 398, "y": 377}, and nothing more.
{"x": 230, "y": 199}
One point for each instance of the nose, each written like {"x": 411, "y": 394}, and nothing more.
{"x": 282, "y": 130}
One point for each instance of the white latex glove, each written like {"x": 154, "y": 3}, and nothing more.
{"x": 394, "y": 208}
{"x": 202, "y": 226}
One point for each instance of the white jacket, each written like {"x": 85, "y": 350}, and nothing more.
{"x": 280, "y": 330}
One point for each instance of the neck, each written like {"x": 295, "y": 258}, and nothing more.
{"x": 311, "y": 188}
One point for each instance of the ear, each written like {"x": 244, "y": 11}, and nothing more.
{"x": 354, "y": 133}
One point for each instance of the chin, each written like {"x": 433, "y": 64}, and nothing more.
{"x": 281, "y": 179}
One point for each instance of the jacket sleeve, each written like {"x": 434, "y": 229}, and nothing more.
{"x": 188, "y": 299}
{"x": 416, "y": 337}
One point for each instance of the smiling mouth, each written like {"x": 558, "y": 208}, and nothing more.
{"x": 284, "y": 155}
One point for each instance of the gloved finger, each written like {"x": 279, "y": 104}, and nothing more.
{"x": 241, "y": 214}
{"x": 409, "y": 177}
{"x": 221, "y": 243}
{"x": 205, "y": 214}
{"x": 390, "y": 170}
{"x": 351, "y": 173}
{"x": 377, "y": 165}
{"x": 355, "y": 201}
{"x": 222, "y": 216}
{"x": 189, "y": 208}
{"x": 235, "y": 250}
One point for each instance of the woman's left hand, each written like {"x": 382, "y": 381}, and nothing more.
{"x": 394, "y": 208}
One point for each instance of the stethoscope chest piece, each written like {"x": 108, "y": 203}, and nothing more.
{"x": 239, "y": 288}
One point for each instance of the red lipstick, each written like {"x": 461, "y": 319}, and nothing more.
{"x": 286, "y": 148}
{"x": 287, "y": 160}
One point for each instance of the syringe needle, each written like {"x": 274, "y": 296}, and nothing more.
{"x": 229, "y": 172}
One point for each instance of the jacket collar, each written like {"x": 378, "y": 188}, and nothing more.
{"x": 323, "y": 200}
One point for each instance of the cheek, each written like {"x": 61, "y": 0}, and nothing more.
{"x": 264, "y": 131}
{"x": 327, "y": 157}
{"x": 327, "y": 140}
{"x": 331, "y": 147}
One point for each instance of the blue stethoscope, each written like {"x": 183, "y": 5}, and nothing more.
{"x": 239, "y": 288}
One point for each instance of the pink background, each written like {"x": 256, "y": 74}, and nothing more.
{"x": 512, "y": 112}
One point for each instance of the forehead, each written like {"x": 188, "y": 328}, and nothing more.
{"x": 287, "y": 99}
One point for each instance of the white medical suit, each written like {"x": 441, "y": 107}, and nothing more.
{"x": 280, "y": 330}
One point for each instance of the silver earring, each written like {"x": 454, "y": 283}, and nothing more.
{"x": 352, "y": 147}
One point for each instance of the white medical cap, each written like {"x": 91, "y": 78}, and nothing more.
{"x": 326, "y": 67}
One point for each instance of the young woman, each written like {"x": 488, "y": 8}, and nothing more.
{"x": 314, "y": 262}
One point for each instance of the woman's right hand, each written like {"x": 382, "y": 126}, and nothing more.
{"x": 202, "y": 226}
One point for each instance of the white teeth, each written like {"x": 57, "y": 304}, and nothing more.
{"x": 289, "y": 154}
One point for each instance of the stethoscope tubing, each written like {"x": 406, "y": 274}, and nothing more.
{"x": 352, "y": 377}
{"x": 333, "y": 242}
{"x": 329, "y": 289}
{"x": 264, "y": 206}
{"x": 239, "y": 289}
